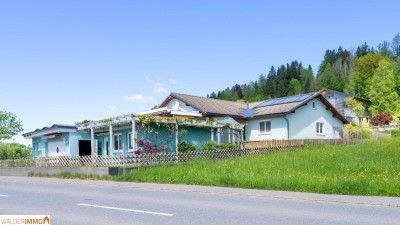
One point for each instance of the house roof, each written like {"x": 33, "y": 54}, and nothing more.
{"x": 292, "y": 105}
{"x": 55, "y": 128}
{"x": 324, "y": 90}
{"x": 208, "y": 106}
{"x": 271, "y": 107}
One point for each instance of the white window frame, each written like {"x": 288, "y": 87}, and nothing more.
{"x": 38, "y": 149}
{"x": 130, "y": 145}
{"x": 119, "y": 142}
{"x": 265, "y": 127}
{"x": 314, "y": 105}
{"x": 320, "y": 128}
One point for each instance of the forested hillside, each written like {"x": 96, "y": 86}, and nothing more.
{"x": 365, "y": 72}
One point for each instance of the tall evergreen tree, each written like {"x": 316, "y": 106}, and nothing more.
{"x": 283, "y": 83}
{"x": 363, "y": 50}
{"x": 271, "y": 83}
{"x": 307, "y": 80}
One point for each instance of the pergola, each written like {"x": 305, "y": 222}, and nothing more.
{"x": 133, "y": 120}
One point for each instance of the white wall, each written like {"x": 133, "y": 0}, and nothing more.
{"x": 302, "y": 124}
{"x": 278, "y": 129}
{"x": 54, "y": 145}
{"x": 178, "y": 105}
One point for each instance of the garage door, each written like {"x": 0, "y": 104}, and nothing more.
{"x": 57, "y": 148}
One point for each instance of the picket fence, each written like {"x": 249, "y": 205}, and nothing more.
{"x": 142, "y": 159}
{"x": 148, "y": 159}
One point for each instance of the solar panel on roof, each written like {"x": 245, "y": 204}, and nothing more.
{"x": 291, "y": 99}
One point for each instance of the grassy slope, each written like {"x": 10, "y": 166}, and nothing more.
{"x": 364, "y": 169}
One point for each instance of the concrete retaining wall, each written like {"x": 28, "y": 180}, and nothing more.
{"x": 24, "y": 171}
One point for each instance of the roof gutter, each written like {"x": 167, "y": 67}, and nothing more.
{"x": 287, "y": 122}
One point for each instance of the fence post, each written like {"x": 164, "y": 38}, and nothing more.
{"x": 123, "y": 158}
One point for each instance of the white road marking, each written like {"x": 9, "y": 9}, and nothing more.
{"x": 129, "y": 210}
{"x": 3, "y": 195}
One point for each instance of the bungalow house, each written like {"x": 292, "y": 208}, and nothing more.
{"x": 58, "y": 140}
{"x": 194, "y": 119}
{"x": 306, "y": 116}
{"x": 338, "y": 100}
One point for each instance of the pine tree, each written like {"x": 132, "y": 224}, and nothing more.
{"x": 363, "y": 49}
{"x": 283, "y": 83}
{"x": 307, "y": 80}
{"x": 271, "y": 83}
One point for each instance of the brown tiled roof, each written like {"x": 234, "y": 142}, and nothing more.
{"x": 275, "y": 109}
{"x": 281, "y": 108}
{"x": 210, "y": 106}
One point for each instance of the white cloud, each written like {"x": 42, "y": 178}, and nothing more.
{"x": 111, "y": 108}
{"x": 159, "y": 88}
{"x": 172, "y": 81}
{"x": 138, "y": 98}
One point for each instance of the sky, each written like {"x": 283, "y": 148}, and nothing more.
{"x": 63, "y": 62}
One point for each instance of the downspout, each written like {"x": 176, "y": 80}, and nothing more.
{"x": 287, "y": 122}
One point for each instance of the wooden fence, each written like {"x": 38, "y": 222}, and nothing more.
{"x": 377, "y": 135}
{"x": 137, "y": 160}
{"x": 273, "y": 144}
{"x": 254, "y": 147}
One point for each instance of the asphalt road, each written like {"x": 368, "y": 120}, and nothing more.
{"x": 104, "y": 202}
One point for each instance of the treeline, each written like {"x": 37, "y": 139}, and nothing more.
{"x": 339, "y": 70}
{"x": 14, "y": 151}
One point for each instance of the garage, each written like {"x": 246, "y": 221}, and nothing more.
{"x": 57, "y": 148}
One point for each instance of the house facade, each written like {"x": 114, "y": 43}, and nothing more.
{"x": 195, "y": 120}
{"x": 310, "y": 121}
{"x": 338, "y": 99}
{"x": 58, "y": 140}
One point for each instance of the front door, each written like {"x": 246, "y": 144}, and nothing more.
{"x": 106, "y": 146}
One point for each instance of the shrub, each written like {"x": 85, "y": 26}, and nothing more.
{"x": 227, "y": 146}
{"x": 147, "y": 147}
{"x": 184, "y": 146}
{"x": 394, "y": 133}
{"x": 382, "y": 119}
{"x": 208, "y": 145}
{"x": 14, "y": 151}
{"x": 357, "y": 132}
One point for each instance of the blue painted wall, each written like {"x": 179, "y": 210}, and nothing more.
{"x": 74, "y": 142}
{"x": 159, "y": 135}
{"x": 40, "y": 146}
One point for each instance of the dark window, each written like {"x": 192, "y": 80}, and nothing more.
{"x": 320, "y": 128}
{"x": 265, "y": 127}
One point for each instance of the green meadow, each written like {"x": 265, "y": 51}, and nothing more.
{"x": 372, "y": 168}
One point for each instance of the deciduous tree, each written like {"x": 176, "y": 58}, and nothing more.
{"x": 364, "y": 70}
{"x": 382, "y": 93}
{"x": 357, "y": 107}
{"x": 10, "y": 125}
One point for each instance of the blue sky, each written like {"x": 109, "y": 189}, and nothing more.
{"x": 66, "y": 61}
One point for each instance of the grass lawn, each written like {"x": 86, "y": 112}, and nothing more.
{"x": 371, "y": 168}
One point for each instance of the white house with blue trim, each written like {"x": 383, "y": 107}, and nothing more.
{"x": 306, "y": 116}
